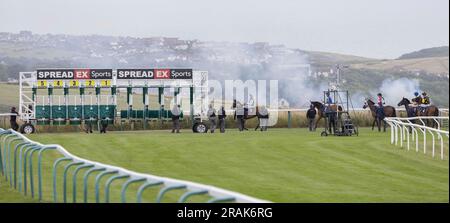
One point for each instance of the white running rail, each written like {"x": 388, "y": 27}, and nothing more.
{"x": 402, "y": 129}
{"x": 217, "y": 194}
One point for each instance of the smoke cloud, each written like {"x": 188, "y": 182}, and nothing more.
{"x": 258, "y": 61}
{"x": 394, "y": 89}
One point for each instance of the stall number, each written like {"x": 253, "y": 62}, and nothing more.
{"x": 58, "y": 83}
{"x": 42, "y": 83}
{"x": 105, "y": 83}
{"x": 90, "y": 83}
{"x": 74, "y": 83}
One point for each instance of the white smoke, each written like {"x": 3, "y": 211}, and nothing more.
{"x": 260, "y": 62}
{"x": 394, "y": 89}
{"x": 358, "y": 99}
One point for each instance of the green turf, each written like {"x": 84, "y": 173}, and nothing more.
{"x": 8, "y": 194}
{"x": 280, "y": 165}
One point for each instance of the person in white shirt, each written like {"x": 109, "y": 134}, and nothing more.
{"x": 176, "y": 112}
{"x": 212, "y": 118}
{"x": 263, "y": 118}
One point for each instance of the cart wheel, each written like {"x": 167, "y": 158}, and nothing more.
{"x": 201, "y": 128}
{"x": 194, "y": 128}
{"x": 27, "y": 128}
{"x": 324, "y": 133}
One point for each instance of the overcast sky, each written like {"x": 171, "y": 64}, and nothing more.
{"x": 376, "y": 28}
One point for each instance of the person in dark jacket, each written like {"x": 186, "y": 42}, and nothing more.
{"x": 222, "y": 115}
{"x": 240, "y": 116}
{"x": 104, "y": 125}
{"x": 13, "y": 119}
{"x": 246, "y": 110}
{"x": 311, "y": 116}
{"x": 88, "y": 125}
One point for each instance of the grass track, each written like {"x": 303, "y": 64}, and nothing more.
{"x": 280, "y": 165}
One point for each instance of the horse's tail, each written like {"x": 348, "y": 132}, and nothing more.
{"x": 394, "y": 112}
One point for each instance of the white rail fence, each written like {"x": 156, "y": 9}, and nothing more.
{"x": 407, "y": 131}
{"x": 8, "y": 165}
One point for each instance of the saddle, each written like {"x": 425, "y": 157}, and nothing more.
{"x": 412, "y": 111}
{"x": 380, "y": 112}
{"x": 423, "y": 109}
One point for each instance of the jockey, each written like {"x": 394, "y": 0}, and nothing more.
{"x": 416, "y": 100}
{"x": 424, "y": 102}
{"x": 425, "y": 99}
{"x": 380, "y": 100}
{"x": 379, "y": 105}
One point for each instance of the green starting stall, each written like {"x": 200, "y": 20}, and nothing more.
{"x": 144, "y": 81}
{"x": 89, "y": 96}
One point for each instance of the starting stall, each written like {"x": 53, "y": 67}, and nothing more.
{"x": 338, "y": 114}
{"x": 89, "y": 96}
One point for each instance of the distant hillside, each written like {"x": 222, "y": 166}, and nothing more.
{"x": 442, "y": 51}
{"x": 326, "y": 59}
{"x": 297, "y": 70}
{"x": 437, "y": 66}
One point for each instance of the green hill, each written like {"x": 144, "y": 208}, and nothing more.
{"x": 442, "y": 51}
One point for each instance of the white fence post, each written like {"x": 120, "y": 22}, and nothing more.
{"x": 404, "y": 127}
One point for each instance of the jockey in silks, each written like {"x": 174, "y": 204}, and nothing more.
{"x": 380, "y": 103}
{"x": 415, "y": 104}
{"x": 417, "y": 99}
{"x": 425, "y": 102}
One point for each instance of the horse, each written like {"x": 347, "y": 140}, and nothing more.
{"x": 431, "y": 110}
{"x": 388, "y": 110}
{"x": 321, "y": 109}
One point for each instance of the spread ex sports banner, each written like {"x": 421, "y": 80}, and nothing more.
{"x": 69, "y": 74}
{"x": 154, "y": 74}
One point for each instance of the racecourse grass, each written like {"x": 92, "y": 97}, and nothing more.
{"x": 281, "y": 165}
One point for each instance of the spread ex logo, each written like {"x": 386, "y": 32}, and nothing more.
{"x": 162, "y": 73}
{"x": 82, "y": 74}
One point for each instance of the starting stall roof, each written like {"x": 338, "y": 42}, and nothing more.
{"x": 82, "y": 77}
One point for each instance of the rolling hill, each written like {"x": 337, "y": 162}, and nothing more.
{"x": 225, "y": 60}
{"x": 442, "y": 51}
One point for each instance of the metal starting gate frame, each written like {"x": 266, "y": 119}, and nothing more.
{"x": 49, "y": 113}
{"x": 343, "y": 122}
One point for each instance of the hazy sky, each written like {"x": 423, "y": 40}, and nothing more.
{"x": 376, "y": 28}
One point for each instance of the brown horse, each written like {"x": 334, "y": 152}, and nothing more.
{"x": 321, "y": 109}
{"x": 431, "y": 110}
{"x": 388, "y": 110}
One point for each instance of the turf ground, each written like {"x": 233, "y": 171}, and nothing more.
{"x": 281, "y": 165}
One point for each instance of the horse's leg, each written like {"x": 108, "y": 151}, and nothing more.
{"x": 257, "y": 126}
{"x": 379, "y": 124}
{"x": 432, "y": 113}
{"x": 317, "y": 121}
{"x": 384, "y": 126}
{"x": 373, "y": 123}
